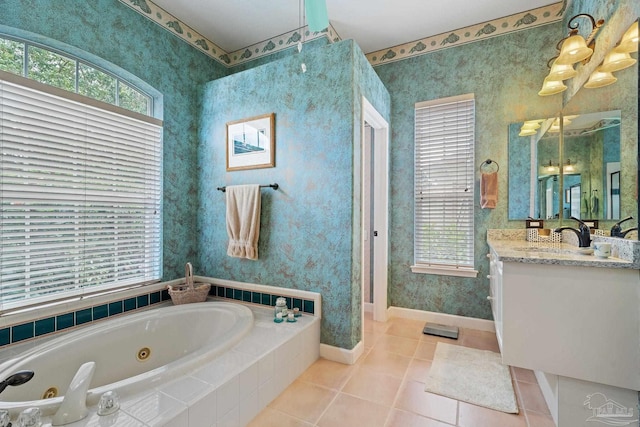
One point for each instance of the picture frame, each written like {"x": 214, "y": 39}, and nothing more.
{"x": 251, "y": 143}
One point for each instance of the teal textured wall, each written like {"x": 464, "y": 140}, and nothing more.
{"x": 307, "y": 229}
{"x": 505, "y": 73}
{"x": 117, "y": 34}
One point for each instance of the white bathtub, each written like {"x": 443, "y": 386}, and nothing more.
{"x": 177, "y": 339}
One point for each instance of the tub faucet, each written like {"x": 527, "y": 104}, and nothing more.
{"x": 616, "y": 230}
{"x": 74, "y": 404}
{"x": 583, "y": 233}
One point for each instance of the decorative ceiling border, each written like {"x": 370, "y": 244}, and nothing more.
{"x": 533, "y": 18}
{"x": 496, "y": 27}
{"x": 172, "y": 24}
{"x": 281, "y": 42}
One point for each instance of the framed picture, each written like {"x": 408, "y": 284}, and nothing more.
{"x": 251, "y": 143}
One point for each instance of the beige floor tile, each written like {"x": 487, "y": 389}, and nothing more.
{"x": 413, "y": 398}
{"x": 399, "y": 345}
{"x": 371, "y": 338}
{"x": 524, "y": 375}
{"x": 539, "y": 420}
{"x": 481, "y": 342}
{"x": 371, "y": 325}
{"x": 373, "y": 386}
{"x": 407, "y": 419}
{"x": 386, "y": 363}
{"x": 532, "y": 398}
{"x": 405, "y": 328}
{"x": 327, "y": 373}
{"x": 304, "y": 401}
{"x": 350, "y": 411}
{"x": 418, "y": 370}
{"x": 425, "y": 350}
{"x": 272, "y": 418}
{"x": 476, "y": 416}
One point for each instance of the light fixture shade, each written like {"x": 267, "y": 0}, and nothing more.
{"x": 629, "y": 42}
{"x": 551, "y": 87}
{"x": 600, "y": 79}
{"x": 317, "y": 15}
{"x": 562, "y": 71}
{"x": 616, "y": 61}
{"x": 531, "y": 124}
{"x": 527, "y": 132}
{"x": 574, "y": 49}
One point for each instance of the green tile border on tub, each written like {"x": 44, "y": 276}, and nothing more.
{"x": 41, "y": 327}
{"x": 262, "y": 298}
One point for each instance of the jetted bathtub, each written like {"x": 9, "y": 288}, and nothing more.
{"x": 132, "y": 353}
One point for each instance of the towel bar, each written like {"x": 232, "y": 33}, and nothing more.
{"x": 275, "y": 186}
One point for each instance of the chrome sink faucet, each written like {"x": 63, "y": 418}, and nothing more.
{"x": 616, "y": 230}
{"x": 583, "y": 233}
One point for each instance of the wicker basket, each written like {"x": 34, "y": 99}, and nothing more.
{"x": 188, "y": 293}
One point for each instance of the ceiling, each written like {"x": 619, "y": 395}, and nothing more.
{"x": 373, "y": 24}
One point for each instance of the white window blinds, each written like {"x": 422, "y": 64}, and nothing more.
{"x": 80, "y": 193}
{"x": 443, "y": 187}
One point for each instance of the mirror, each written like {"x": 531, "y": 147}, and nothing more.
{"x": 590, "y": 167}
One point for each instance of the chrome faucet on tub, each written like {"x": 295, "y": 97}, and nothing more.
{"x": 583, "y": 232}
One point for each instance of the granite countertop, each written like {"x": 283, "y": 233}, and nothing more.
{"x": 509, "y": 247}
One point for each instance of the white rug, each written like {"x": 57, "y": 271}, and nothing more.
{"x": 473, "y": 376}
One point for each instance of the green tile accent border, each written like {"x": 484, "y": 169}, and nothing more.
{"x": 38, "y": 328}
{"x": 261, "y": 298}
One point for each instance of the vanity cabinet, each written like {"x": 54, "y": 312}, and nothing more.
{"x": 574, "y": 321}
{"x": 495, "y": 293}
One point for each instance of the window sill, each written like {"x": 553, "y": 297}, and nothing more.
{"x": 444, "y": 271}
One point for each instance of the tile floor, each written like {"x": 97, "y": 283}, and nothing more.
{"x": 385, "y": 388}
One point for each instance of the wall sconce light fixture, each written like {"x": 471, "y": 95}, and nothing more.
{"x": 616, "y": 60}
{"x": 571, "y": 50}
{"x": 530, "y": 127}
{"x": 551, "y": 168}
{"x": 568, "y": 168}
{"x": 629, "y": 42}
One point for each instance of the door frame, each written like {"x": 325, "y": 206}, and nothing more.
{"x": 381, "y": 209}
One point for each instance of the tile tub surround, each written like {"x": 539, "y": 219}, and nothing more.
{"x": 230, "y": 390}
{"x": 44, "y": 321}
{"x": 625, "y": 253}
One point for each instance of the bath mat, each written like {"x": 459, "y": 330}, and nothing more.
{"x": 472, "y": 376}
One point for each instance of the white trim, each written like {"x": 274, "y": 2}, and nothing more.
{"x": 444, "y": 271}
{"x": 443, "y": 318}
{"x": 342, "y": 355}
{"x": 444, "y": 101}
{"x": 368, "y": 307}
{"x": 381, "y": 208}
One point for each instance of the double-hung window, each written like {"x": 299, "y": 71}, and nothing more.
{"x": 80, "y": 195}
{"x": 444, "y": 187}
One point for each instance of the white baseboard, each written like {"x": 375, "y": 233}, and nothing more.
{"x": 341, "y": 355}
{"x": 368, "y": 307}
{"x": 442, "y": 318}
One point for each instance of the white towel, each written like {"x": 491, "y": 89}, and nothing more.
{"x": 243, "y": 220}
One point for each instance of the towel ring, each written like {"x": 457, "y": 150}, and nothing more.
{"x": 489, "y": 162}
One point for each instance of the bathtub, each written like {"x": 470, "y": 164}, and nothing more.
{"x": 132, "y": 353}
